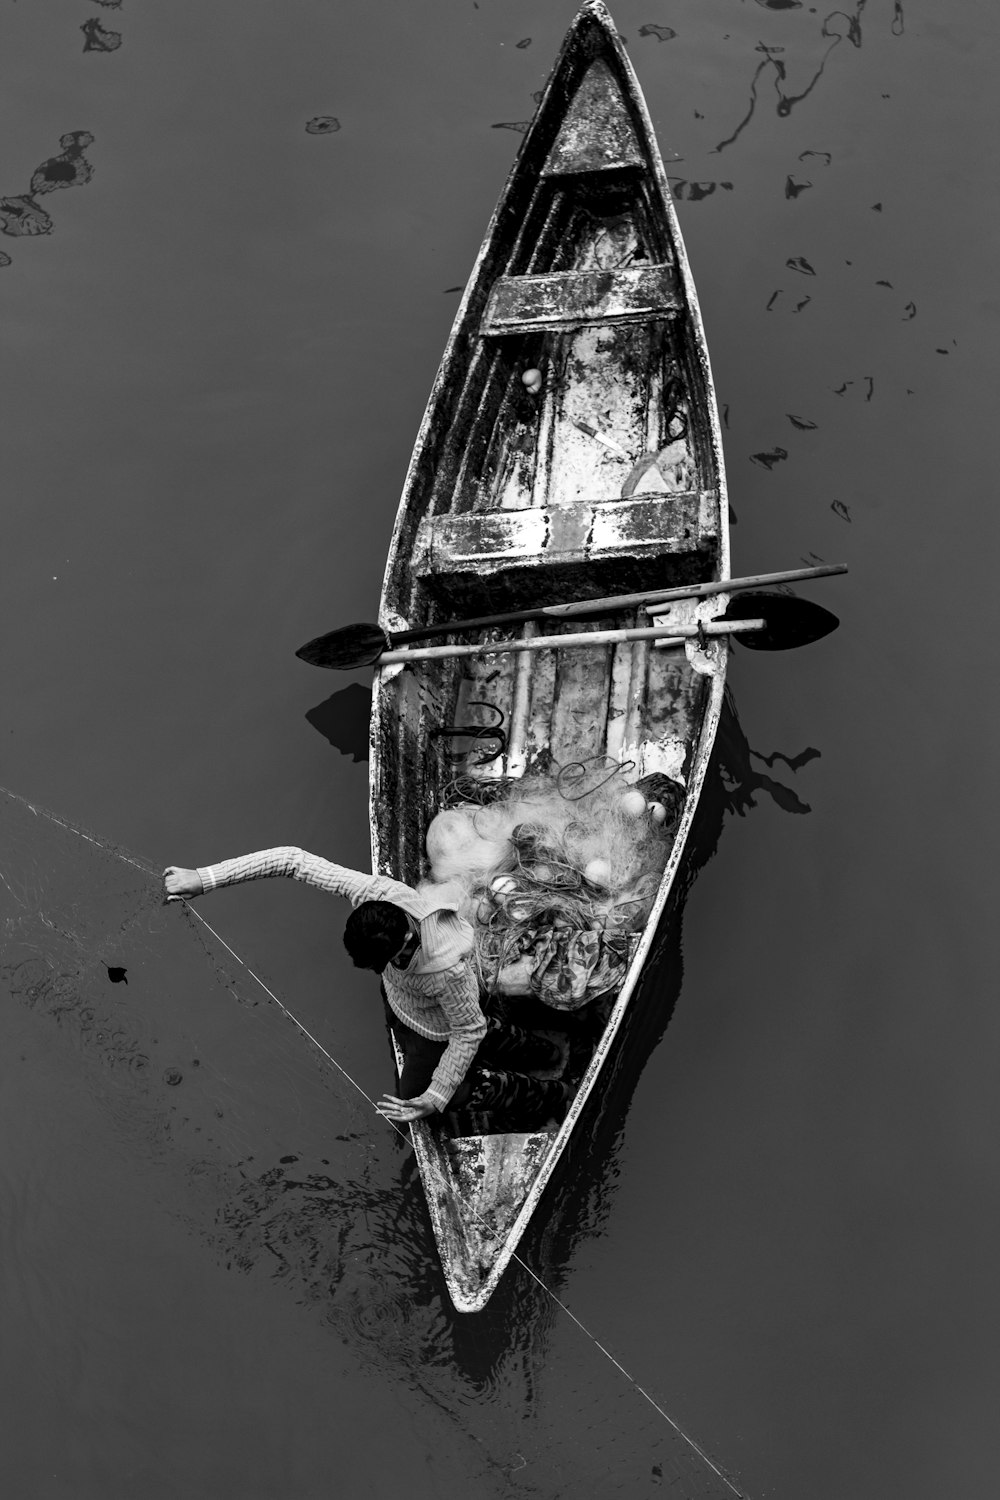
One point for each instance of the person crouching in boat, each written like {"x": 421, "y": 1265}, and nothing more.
{"x": 455, "y": 1057}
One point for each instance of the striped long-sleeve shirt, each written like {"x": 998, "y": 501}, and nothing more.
{"x": 437, "y": 994}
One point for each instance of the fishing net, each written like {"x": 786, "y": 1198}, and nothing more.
{"x": 557, "y": 870}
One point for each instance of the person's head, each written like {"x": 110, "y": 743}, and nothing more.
{"x": 375, "y": 933}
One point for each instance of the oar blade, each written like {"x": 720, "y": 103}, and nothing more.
{"x": 347, "y": 649}
{"x": 791, "y": 621}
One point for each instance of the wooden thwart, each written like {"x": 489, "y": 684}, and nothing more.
{"x": 478, "y": 541}
{"x": 568, "y": 299}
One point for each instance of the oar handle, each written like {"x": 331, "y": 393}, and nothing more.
{"x": 675, "y": 634}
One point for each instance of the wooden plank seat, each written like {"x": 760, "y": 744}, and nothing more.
{"x": 504, "y": 553}
{"x": 572, "y": 299}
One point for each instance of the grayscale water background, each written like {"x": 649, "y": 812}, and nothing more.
{"x": 217, "y": 1279}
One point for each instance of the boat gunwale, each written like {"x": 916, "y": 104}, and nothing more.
{"x": 427, "y": 1151}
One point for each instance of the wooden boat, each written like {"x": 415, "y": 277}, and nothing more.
{"x": 606, "y": 480}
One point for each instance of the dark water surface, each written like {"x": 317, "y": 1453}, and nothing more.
{"x": 232, "y": 237}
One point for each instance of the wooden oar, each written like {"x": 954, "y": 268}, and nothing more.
{"x": 789, "y": 621}
{"x": 355, "y": 646}
{"x": 666, "y": 635}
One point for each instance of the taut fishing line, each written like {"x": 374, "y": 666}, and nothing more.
{"x": 151, "y": 872}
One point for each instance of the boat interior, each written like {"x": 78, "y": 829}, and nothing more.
{"x": 570, "y": 452}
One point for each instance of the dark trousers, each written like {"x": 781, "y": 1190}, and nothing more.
{"x": 494, "y": 1082}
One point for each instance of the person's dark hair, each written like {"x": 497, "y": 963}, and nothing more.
{"x": 374, "y": 932}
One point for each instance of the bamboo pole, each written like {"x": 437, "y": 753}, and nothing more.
{"x": 693, "y": 590}
{"x": 666, "y": 634}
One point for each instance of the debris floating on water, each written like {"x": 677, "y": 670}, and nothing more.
{"x": 23, "y": 216}
{"x": 97, "y": 38}
{"x": 69, "y": 169}
{"x": 20, "y": 214}
{"x": 681, "y": 187}
{"x": 768, "y": 460}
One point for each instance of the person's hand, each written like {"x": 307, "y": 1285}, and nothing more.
{"x": 178, "y": 883}
{"x": 401, "y": 1111}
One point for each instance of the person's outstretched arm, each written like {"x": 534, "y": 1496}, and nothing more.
{"x": 180, "y": 884}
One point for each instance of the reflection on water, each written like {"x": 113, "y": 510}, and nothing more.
{"x": 735, "y": 780}
{"x": 260, "y": 1149}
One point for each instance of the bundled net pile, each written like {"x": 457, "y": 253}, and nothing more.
{"x": 557, "y": 870}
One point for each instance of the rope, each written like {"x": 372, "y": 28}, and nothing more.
{"x": 149, "y": 869}
{"x": 696, "y": 1447}
{"x": 578, "y": 770}
{"x": 283, "y": 1008}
